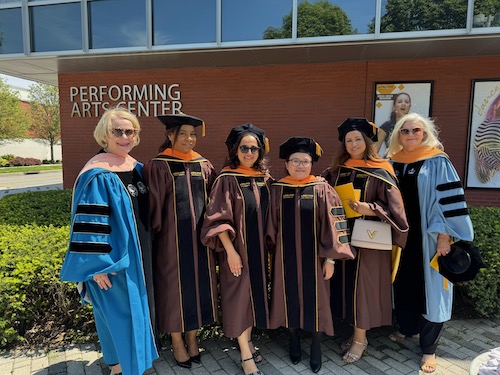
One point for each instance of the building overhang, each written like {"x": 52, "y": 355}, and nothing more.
{"x": 45, "y": 68}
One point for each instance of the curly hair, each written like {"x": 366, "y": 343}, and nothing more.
{"x": 369, "y": 154}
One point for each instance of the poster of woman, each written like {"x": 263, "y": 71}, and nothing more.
{"x": 483, "y": 162}
{"x": 393, "y": 100}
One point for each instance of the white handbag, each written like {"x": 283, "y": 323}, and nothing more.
{"x": 370, "y": 234}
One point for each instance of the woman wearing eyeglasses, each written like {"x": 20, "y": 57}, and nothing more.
{"x": 110, "y": 246}
{"x": 361, "y": 289}
{"x": 234, "y": 226}
{"x": 437, "y": 213}
{"x": 306, "y": 232}
{"x": 179, "y": 180}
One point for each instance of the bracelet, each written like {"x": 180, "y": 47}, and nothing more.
{"x": 328, "y": 260}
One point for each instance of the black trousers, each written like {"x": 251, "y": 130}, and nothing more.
{"x": 412, "y": 323}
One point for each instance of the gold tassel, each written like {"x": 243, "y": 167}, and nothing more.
{"x": 319, "y": 150}
{"x": 266, "y": 146}
{"x": 203, "y": 129}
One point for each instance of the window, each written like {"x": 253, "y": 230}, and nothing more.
{"x": 56, "y": 27}
{"x": 11, "y": 33}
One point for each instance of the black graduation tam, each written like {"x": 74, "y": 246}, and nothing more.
{"x": 300, "y": 144}
{"x": 462, "y": 263}
{"x": 360, "y": 124}
{"x": 238, "y": 132}
{"x": 173, "y": 121}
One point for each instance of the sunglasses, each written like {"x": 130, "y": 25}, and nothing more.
{"x": 118, "y": 133}
{"x": 253, "y": 149}
{"x": 415, "y": 131}
{"x": 297, "y": 162}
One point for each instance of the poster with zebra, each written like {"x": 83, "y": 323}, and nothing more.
{"x": 483, "y": 161}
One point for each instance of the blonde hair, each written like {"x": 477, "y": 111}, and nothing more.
{"x": 103, "y": 128}
{"x": 428, "y": 126}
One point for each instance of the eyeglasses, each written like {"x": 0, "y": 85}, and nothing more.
{"x": 118, "y": 133}
{"x": 297, "y": 162}
{"x": 245, "y": 149}
{"x": 415, "y": 131}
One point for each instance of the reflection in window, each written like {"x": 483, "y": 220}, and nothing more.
{"x": 117, "y": 23}
{"x": 56, "y": 27}
{"x": 184, "y": 22}
{"x": 421, "y": 15}
{"x": 11, "y": 33}
{"x": 486, "y": 13}
{"x": 256, "y": 19}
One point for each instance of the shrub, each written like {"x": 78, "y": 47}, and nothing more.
{"x": 484, "y": 290}
{"x": 19, "y": 161}
{"x": 4, "y": 162}
{"x": 8, "y": 156}
{"x": 51, "y": 207}
{"x": 35, "y": 306}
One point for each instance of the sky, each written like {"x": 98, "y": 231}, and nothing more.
{"x": 18, "y": 82}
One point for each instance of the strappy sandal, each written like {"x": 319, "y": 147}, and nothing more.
{"x": 428, "y": 366}
{"x": 257, "y": 357}
{"x": 258, "y": 372}
{"x": 397, "y": 336}
{"x": 350, "y": 357}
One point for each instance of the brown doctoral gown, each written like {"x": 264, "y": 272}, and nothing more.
{"x": 361, "y": 289}
{"x": 238, "y": 205}
{"x": 184, "y": 269}
{"x": 306, "y": 224}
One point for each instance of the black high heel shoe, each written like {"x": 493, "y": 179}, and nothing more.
{"x": 294, "y": 349}
{"x": 196, "y": 358}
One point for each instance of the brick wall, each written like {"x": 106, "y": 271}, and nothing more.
{"x": 286, "y": 100}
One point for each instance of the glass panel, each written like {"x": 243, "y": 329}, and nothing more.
{"x": 336, "y": 17}
{"x": 171, "y": 24}
{"x": 117, "y": 23}
{"x": 486, "y": 13}
{"x": 421, "y": 15}
{"x": 11, "y": 32}
{"x": 56, "y": 27}
{"x": 9, "y": 1}
{"x": 256, "y": 19}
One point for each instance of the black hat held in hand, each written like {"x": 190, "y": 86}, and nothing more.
{"x": 300, "y": 144}
{"x": 359, "y": 124}
{"x": 462, "y": 262}
{"x": 238, "y": 132}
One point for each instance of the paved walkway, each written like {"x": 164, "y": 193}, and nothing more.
{"x": 462, "y": 341}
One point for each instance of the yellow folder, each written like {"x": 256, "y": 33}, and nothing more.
{"x": 347, "y": 193}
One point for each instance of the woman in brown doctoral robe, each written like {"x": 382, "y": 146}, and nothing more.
{"x": 184, "y": 270}
{"x": 361, "y": 288}
{"x": 234, "y": 226}
{"x": 306, "y": 230}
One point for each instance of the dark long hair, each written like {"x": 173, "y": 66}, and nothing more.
{"x": 393, "y": 113}
{"x": 232, "y": 161}
{"x": 167, "y": 143}
{"x": 369, "y": 154}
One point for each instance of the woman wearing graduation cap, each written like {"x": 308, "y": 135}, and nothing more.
{"x": 306, "y": 231}
{"x": 234, "y": 226}
{"x": 361, "y": 289}
{"x": 437, "y": 212}
{"x": 179, "y": 180}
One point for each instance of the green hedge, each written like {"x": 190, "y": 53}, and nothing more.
{"x": 37, "y": 308}
{"x": 483, "y": 292}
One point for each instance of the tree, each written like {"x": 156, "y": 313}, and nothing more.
{"x": 13, "y": 119}
{"x": 46, "y": 124}
{"x": 418, "y": 15}
{"x": 314, "y": 19}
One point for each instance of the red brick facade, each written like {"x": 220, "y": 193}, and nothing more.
{"x": 286, "y": 100}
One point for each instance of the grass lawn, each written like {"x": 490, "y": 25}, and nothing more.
{"x": 33, "y": 168}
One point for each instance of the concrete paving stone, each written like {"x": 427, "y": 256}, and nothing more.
{"x": 376, "y": 363}
{"x": 44, "y": 371}
{"x": 94, "y": 370}
{"x": 220, "y": 372}
{"x": 22, "y": 371}
{"x": 39, "y": 363}
{"x": 398, "y": 366}
{"x": 22, "y": 361}
{"x": 75, "y": 368}
{"x": 6, "y": 368}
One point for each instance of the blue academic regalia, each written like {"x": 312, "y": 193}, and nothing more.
{"x": 104, "y": 240}
{"x": 442, "y": 209}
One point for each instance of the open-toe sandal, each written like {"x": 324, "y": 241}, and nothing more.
{"x": 350, "y": 357}
{"x": 258, "y": 372}
{"x": 428, "y": 366}
{"x": 257, "y": 357}
{"x": 397, "y": 336}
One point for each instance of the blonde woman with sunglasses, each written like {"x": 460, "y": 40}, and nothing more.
{"x": 437, "y": 214}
